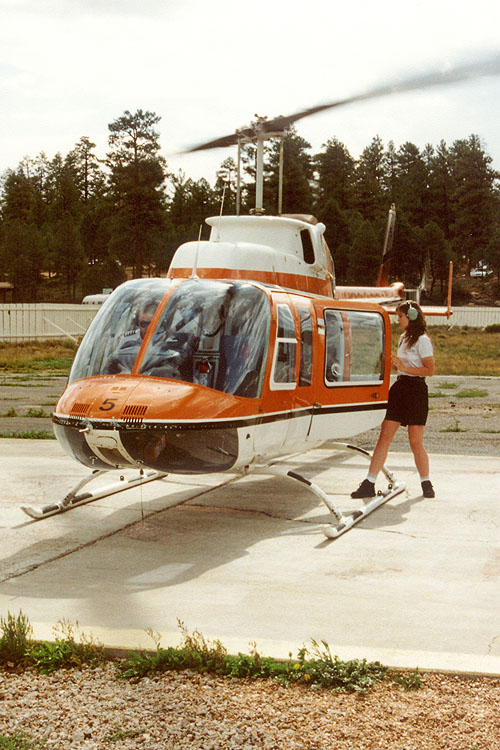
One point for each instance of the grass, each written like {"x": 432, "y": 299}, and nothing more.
{"x": 29, "y": 435}
{"x": 36, "y": 356}
{"x": 462, "y": 351}
{"x": 466, "y": 393}
{"x": 471, "y": 393}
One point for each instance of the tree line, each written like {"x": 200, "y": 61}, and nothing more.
{"x": 72, "y": 225}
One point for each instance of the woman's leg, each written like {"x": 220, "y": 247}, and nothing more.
{"x": 367, "y": 486}
{"x": 416, "y": 438}
{"x": 387, "y": 432}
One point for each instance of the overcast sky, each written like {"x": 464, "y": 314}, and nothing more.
{"x": 69, "y": 67}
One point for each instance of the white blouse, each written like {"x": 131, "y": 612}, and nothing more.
{"x": 412, "y": 356}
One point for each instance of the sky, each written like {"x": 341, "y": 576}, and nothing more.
{"x": 70, "y": 67}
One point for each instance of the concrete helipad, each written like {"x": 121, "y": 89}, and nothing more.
{"x": 415, "y": 584}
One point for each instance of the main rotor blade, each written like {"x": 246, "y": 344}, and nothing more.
{"x": 487, "y": 67}
{"x": 480, "y": 69}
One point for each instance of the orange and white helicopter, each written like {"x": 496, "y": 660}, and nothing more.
{"x": 246, "y": 353}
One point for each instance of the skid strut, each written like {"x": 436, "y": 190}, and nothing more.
{"x": 348, "y": 521}
{"x": 73, "y": 499}
{"x": 344, "y": 522}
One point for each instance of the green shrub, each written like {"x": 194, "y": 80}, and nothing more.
{"x": 409, "y": 680}
{"x": 15, "y": 640}
{"x": 321, "y": 671}
{"x": 66, "y": 652}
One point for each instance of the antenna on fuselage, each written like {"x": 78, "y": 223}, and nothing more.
{"x": 194, "y": 274}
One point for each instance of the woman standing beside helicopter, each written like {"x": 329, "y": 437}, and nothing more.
{"x": 408, "y": 399}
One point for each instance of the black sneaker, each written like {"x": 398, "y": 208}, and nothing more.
{"x": 428, "y": 489}
{"x": 365, "y": 489}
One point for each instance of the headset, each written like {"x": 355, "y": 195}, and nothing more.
{"x": 412, "y": 312}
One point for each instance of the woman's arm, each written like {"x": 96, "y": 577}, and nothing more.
{"x": 426, "y": 371}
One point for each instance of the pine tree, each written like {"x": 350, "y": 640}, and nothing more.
{"x": 137, "y": 182}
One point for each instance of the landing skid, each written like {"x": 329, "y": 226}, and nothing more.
{"x": 73, "y": 498}
{"x": 344, "y": 522}
{"x": 350, "y": 520}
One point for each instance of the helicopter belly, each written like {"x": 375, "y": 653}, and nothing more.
{"x": 181, "y": 449}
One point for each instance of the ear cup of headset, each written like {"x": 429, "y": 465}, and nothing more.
{"x": 412, "y": 313}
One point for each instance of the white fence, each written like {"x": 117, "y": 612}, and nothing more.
{"x": 27, "y": 322}
{"x": 474, "y": 317}
{"x": 52, "y": 321}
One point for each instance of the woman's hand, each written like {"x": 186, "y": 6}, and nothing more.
{"x": 396, "y": 362}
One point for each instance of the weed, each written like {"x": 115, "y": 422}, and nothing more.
{"x": 492, "y": 328}
{"x": 409, "y": 680}
{"x": 471, "y": 393}
{"x": 29, "y": 435}
{"x": 321, "y": 671}
{"x": 15, "y": 641}
{"x": 454, "y": 427}
{"x": 20, "y": 741}
{"x": 66, "y": 652}
{"x": 436, "y": 394}
{"x": 490, "y": 432}
{"x": 36, "y": 413}
{"x": 326, "y": 671}
{"x": 123, "y": 734}
{"x": 447, "y": 386}
{"x": 11, "y": 413}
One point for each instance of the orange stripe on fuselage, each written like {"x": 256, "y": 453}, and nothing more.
{"x": 309, "y": 284}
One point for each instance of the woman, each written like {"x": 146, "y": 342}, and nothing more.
{"x": 408, "y": 399}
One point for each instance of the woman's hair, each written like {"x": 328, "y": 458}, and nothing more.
{"x": 415, "y": 327}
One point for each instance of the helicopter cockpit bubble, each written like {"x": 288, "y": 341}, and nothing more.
{"x": 214, "y": 334}
{"x": 116, "y": 334}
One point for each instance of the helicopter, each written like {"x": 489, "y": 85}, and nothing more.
{"x": 247, "y": 352}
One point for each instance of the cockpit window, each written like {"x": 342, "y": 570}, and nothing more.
{"x": 212, "y": 333}
{"x": 116, "y": 333}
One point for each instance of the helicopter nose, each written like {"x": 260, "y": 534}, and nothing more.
{"x": 169, "y": 426}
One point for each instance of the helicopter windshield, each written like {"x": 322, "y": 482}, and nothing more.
{"x": 116, "y": 333}
{"x": 212, "y": 333}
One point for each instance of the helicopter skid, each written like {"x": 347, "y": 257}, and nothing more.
{"x": 348, "y": 521}
{"x": 73, "y": 498}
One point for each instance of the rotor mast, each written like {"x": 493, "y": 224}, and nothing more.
{"x": 257, "y": 134}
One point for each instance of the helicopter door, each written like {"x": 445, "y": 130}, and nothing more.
{"x": 284, "y": 373}
{"x": 353, "y": 372}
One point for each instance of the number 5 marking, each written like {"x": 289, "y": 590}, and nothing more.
{"x": 107, "y": 405}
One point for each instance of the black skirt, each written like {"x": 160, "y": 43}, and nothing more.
{"x": 408, "y": 401}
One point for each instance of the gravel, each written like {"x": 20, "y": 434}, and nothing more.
{"x": 91, "y": 709}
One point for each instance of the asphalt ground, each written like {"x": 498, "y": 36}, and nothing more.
{"x": 414, "y": 584}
